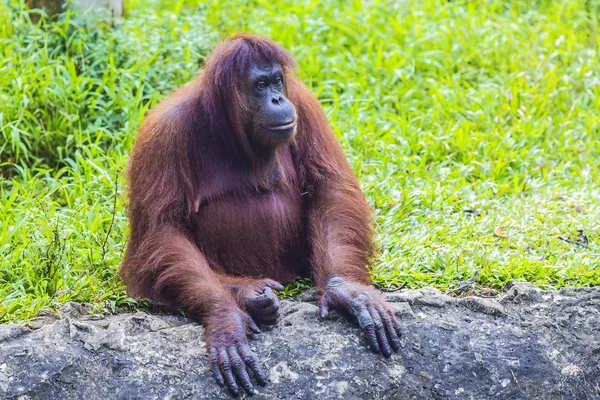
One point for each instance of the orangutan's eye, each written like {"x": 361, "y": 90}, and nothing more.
{"x": 261, "y": 85}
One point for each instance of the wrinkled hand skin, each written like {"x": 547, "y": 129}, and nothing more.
{"x": 259, "y": 300}
{"x": 374, "y": 315}
{"x": 230, "y": 355}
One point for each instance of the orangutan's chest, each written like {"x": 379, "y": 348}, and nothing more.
{"x": 270, "y": 218}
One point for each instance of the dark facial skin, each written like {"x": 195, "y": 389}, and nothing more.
{"x": 273, "y": 115}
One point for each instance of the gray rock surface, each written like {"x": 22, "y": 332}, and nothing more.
{"x": 525, "y": 344}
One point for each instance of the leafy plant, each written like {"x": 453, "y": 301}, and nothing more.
{"x": 473, "y": 128}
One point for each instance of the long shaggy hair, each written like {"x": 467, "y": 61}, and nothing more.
{"x": 194, "y": 148}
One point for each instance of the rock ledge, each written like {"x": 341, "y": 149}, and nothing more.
{"x": 525, "y": 344}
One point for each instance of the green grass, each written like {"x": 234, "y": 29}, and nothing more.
{"x": 486, "y": 106}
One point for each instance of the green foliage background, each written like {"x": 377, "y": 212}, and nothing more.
{"x": 465, "y": 121}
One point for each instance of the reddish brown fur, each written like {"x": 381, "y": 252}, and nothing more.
{"x": 209, "y": 209}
